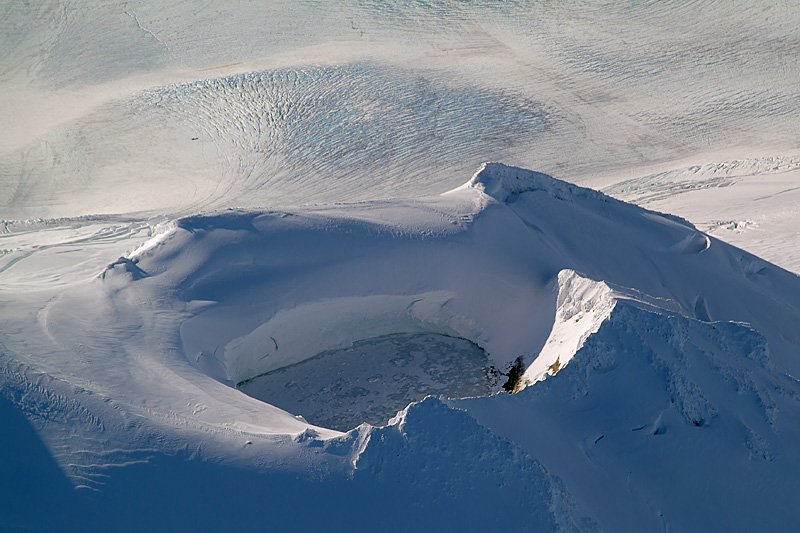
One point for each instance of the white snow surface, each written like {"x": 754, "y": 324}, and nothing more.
{"x": 682, "y": 346}
{"x": 167, "y": 108}
{"x": 754, "y": 204}
{"x": 201, "y": 199}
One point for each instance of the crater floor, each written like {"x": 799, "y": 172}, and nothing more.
{"x": 373, "y": 379}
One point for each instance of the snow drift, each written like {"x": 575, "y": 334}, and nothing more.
{"x": 650, "y": 351}
{"x": 487, "y": 262}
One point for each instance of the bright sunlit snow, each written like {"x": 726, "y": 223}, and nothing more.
{"x": 255, "y": 272}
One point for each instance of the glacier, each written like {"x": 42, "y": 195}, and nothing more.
{"x": 247, "y": 283}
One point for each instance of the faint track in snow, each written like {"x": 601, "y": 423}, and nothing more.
{"x": 132, "y": 15}
{"x": 289, "y": 136}
{"x": 62, "y": 250}
{"x": 663, "y": 185}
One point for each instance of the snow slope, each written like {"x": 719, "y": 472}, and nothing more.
{"x": 663, "y": 422}
{"x": 172, "y": 108}
{"x": 173, "y": 233}
{"x": 666, "y": 354}
{"x": 751, "y": 203}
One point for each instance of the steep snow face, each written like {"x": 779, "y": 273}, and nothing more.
{"x": 312, "y": 328}
{"x": 581, "y": 307}
{"x": 662, "y": 258}
{"x": 319, "y": 281}
{"x": 241, "y": 294}
{"x": 432, "y": 437}
{"x": 653, "y": 396}
{"x": 634, "y": 327}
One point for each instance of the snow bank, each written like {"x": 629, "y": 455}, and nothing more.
{"x": 581, "y": 308}
{"x": 667, "y": 355}
{"x": 503, "y": 182}
{"x": 312, "y": 328}
{"x": 493, "y": 261}
{"x": 660, "y": 421}
{"x": 433, "y": 447}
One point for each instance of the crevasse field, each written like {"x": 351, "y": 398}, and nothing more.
{"x": 398, "y": 265}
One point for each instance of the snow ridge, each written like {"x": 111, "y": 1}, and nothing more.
{"x": 686, "y": 400}
{"x": 505, "y": 182}
{"x": 442, "y": 443}
{"x": 502, "y": 182}
{"x": 654, "y": 340}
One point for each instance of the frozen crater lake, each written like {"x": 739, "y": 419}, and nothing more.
{"x": 373, "y": 379}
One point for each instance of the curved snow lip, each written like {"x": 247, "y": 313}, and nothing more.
{"x": 692, "y": 244}
{"x": 509, "y": 261}
{"x": 160, "y": 234}
{"x": 300, "y": 333}
{"x": 582, "y": 307}
{"x": 502, "y": 182}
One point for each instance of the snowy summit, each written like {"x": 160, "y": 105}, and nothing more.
{"x": 680, "y": 346}
{"x": 254, "y": 274}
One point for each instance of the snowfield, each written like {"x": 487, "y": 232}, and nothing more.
{"x": 247, "y": 282}
{"x": 682, "y": 357}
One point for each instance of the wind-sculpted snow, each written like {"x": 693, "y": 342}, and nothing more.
{"x": 581, "y": 307}
{"x": 242, "y": 106}
{"x": 171, "y": 179}
{"x": 650, "y": 351}
{"x": 469, "y": 244}
{"x": 433, "y": 439}
{"x": 655, "y": 396}
{"x": 240, "y": 294}
{"x": 277, "y": 137}
{"x": 254, "y": 292}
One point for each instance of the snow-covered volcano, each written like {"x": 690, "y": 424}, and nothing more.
{"x": 223, "y": 246}
{"x": 641, "y": 348}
